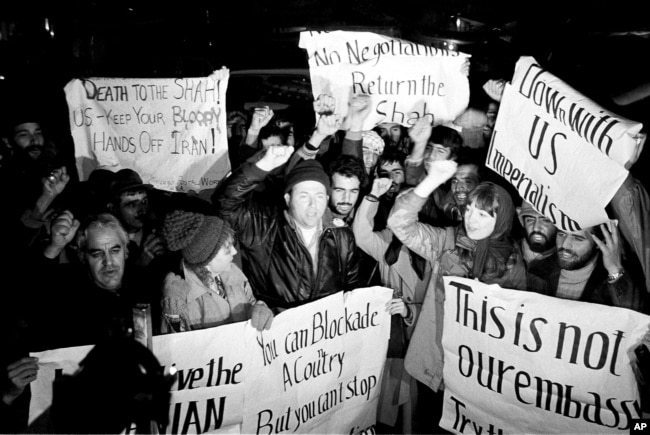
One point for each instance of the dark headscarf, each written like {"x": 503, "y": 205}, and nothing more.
{"x": 491, "y": 254}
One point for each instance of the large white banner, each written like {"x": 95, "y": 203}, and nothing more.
{"x": 171, "y": 131}
{"x": 565, "y": 154}
{"x": 208, "y": 394}
{"x": 317, "y": 370}
{"x": 520, "y": 362}
{"x": 406, "y": 81}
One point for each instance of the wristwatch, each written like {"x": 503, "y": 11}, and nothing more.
{"x": 613, "y": 277}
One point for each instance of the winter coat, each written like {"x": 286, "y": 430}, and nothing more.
{"x": 188, "y": 304}
{"x": 274, "y": 258}
{"x": 424, "y": 358}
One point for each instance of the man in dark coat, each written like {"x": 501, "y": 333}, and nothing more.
{"x": 293, "y": 254}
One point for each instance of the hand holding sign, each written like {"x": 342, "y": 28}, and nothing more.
{"x": 19, "y": 374}
{"x": 325, "y": 104}
{"x": 397, "y": 306}
{"x": 358, "y": 112}
{"x": 262, "y": 316}
{"x": 494, "y": 89}
{"x": 464, "y": 69}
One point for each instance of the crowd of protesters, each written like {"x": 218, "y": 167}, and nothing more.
{"x": 297, "y": 219}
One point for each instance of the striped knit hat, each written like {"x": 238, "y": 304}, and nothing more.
{"x": 197, "y": 236}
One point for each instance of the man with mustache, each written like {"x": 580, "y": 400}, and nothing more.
{"x": 29, "y": 161}
{"x": 588, "y": 267}
{"x": 466, "y": 178}
{"x": 91, "y": 299}
{"x": 83, "y": 302}
{"x": 348, "y": 178}
{"x": 292, "y": 253}
{"x": 538, "y": 244}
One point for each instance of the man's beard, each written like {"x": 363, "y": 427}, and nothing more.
{"x": 542, "y": 245}
{"x": 34, "y": 152}
{"x": 575, "y": 262}
{"x": 37, "y": 158}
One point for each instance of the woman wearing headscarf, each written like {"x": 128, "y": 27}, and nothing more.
{"x": 481, "y": 248}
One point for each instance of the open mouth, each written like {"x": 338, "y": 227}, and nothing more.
{"x": 537, "y": 238}
{"x": 566, "y": 255}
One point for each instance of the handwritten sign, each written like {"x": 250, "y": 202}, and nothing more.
{"x": 563, "y": 153}
{"x": 319, "y": 370}
{"x": 171, "y": 131}
{"x": 520, "y": 362}
{"x": 209, "y": 393}
{"x": 406, "y": 81}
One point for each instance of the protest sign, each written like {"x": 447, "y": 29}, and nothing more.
{"x": 319, "y": 369}
{"x": 171, "y": 131}
{"x": 562, "y": 152}
{"x": 520, "y": 362}
{"x": 406, "y": 81}
{"x": 52, "y": 364}
{"x": 209, "y": 393}
{"x": 319, "y": 361}
{"x": 207, "y": 396}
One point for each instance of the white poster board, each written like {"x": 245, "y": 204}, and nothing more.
{"x": 406, "y": 81}
{"x": 520, "y": 362}
{"x": 171, "y": 131}
{"x": 562, "y": 152}
{"x": 318, "y": 369}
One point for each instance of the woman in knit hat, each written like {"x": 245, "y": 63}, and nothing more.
{"x": 207, "y": 290}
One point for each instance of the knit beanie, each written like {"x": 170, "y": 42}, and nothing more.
{"x": 306, "y": 170}
{"x": 197, "y": 236}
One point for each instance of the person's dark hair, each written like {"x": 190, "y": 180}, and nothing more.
{"x": 486, "y": 198}
{"x": 349, "y": 166}
{"x": 472, "y": 156}
{"x": 596, "y": 231}
{"x": 448, "y": 138}
{"x": 391, "y": 155}
{"x": 271, "y": 129}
